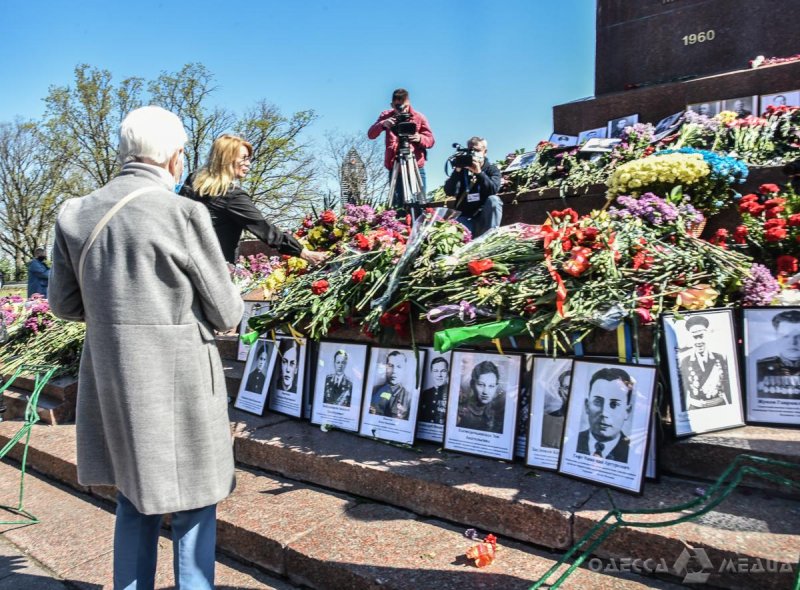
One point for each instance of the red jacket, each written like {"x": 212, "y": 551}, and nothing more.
{"x": 420, "y": 149}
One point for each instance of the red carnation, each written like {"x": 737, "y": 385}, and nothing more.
{"x": 363, "y": 241}
{"x": 774, "y": 234}
{"x": 749, "y": 198}
{"x": 771, "y": 223}
{"x": 319, "y": 287}
{"x": 768, "y": 188}
{"x": 720, "y": 238}
{"x": 786, "y": 264}
{"x": 564, "y": 214}
{"x": 773, "y": 212}
{"x": 328, "y": 217}
{"x": 740, "y": 234}
{"x": 794, "y": 220}
{"x": 478, "y": 267}
{"x": 358, "y": 275}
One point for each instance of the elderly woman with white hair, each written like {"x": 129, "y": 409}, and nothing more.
{"x": 142, "y": 267}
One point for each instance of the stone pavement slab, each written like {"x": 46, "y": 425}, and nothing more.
{"x": 749, "y": 525}
{"x": 512, "y": 499}
{"x": 74, "y": 541}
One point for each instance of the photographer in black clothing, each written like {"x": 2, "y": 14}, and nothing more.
{"x": 475, "y": 187}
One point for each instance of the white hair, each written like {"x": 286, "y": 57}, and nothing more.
{"x": 150, "y": 133}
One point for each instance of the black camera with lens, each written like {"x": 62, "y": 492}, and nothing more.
{"x": 404, "y": 127}
{"x": 464, "y": 156}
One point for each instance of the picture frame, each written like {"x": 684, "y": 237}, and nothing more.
{"x": 524, "y": 406}
{"x": 744, "y": 106}
{"x": 563, "y": 140}
{"x": 709, "y": 108}
{"x": 790, "y": 98}
{"x": 771, "y": 345}
{"x": 550, "y": 384}
{"x": 339, "y": 376}
{"x": 587, "y": 134}
{"x": 608, "y": 422}
{"x": 600, "y": 146}
{"x": 392, "y": 394}
{"x": 287, "y": 386}
{"x": 432, "y": 410}
{"x": 521, "y": 161}
{"x": 615, "y": 127}
{"x": 251, "y": 309}
{"x": 703, "y": 371}
{"x": 252, "y": 395}
{"x": 667, "y": 126}
{"x": 482, "y": 404}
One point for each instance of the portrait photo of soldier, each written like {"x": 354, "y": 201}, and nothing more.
{"x": 338, "y": 386}
{"x": 433, "y": 400}
{"x": 391, "y": 396}
{"x": 778, "y": 375}
{"x": 703, "y": 372}
{"x": 555, "y": 409}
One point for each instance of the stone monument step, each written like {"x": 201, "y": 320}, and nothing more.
{"x": 51, "y": 410}
{"x": 73, "y": 542}
{"x": 314, "y": 537}
{"x": 706, "y": 456}
{"x": 64, "y": 387}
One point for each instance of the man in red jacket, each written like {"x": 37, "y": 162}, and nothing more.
{"x": 421, "y": 141}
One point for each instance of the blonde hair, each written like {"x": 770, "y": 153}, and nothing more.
{"x": 216, "y": 176}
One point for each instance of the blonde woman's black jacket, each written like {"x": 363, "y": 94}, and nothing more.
{"x": 234, "y": 212}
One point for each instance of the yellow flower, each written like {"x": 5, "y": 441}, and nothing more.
{"x": 275, "y": 280}
{"x": 484, "y": 292}
{"x": 295, "y": 264}
{"x": 700, "y": 296}
{"x": 726, "y": 117}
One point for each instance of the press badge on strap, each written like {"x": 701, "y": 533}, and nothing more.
{"x": 473, "y": 197}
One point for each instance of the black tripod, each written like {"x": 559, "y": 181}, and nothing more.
{"x": 406, "y": 173}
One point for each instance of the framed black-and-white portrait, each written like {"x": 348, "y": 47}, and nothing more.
{"x": 251, "y": 309}
{"x": 743, "y": 106}
{"x": 772, "y": 365}
{"x": 288, "y": 377}
{"x": 707, "y": 108}
{"x": 667, "y": 126}
{"x": 550, "y": 385}
{"x": 433, "y": 399}
{"x": 521, "y": 161}
{"x": 392, "y": 394}
{"x": 600, "y": 146}
{"x": 562, "y": 140}
{"x": 482, "y": 405}
{"x": 616, "y": 126}
{"x": 252, "y": 395}
{"x": 524, "y": 406}
{"x": 780, "y": 99}
{"x": 586, "y": 135}
{"x": 703, "y": 371}
{"x": 339, "y": 384}
{"x": 608, "y": 421}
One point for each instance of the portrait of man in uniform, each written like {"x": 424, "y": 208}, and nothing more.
{"x": 433, "y": 400}
{"x": 392, "y": 398}
{"x": 607, "y": 407}
{"x": 258, "y": 376}
{"x": 778, "y": 375}
{"x": 703, "y": 373}
{"x": 555, "y": 409}
{"x": 338, "y": 386}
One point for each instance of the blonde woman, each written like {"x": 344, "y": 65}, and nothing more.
{"x": 217, "y": 186}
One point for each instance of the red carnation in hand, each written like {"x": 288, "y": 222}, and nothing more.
{"x": 328, "y": 217}
{"x": 740, "y": 234}
{"x": 478, "y": 267}
{"x": 769, "y": 188}
{"x": 358, "y": 275}
{"x": 786, "y": 264}
{"x": 319, "y": 287}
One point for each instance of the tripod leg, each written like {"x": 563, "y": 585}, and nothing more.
{"x": 393, "y": 184}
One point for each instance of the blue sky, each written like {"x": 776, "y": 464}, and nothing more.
{"x": 474, "y": 67}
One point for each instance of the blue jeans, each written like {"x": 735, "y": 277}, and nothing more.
{"x": 398, "y": 202}
{"x": 194, "y": 537}
{"x": 485, "y": 218}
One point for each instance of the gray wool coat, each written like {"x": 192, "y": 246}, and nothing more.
{"x": 152, "y": 414}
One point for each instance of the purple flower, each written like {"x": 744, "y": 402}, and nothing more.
{"x": 760, "y": 288}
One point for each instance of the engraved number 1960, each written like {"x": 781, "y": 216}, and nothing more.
{"x": 701, "y": 37}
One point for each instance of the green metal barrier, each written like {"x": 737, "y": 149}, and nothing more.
{"x": 42, "y": 374}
